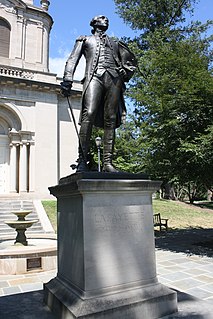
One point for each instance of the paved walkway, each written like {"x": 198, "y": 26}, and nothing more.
{"x": 188, "y": 273}
{"x": 179, "y": 266}
{"x": 16, "y": 284}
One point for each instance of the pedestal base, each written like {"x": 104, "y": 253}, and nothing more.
{"x": 106, "y": 251}
{"x": 154, "y": 301}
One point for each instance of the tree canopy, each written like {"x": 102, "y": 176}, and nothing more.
{"x": 149, "y": 15}
{"x": 172, "y": 93}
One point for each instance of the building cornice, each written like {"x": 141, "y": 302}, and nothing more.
{"x": 40, "y": 11}
{"x": 23, "y": 5}
{"x": 28, "y": 79}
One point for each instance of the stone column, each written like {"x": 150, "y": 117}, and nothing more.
{"x": 45, "y": 47}
{"x": 13, "y": 168}
{"x": 32, "y": 167}
{"x": 19, "y": 42}
{"x": 40, "y": 43}
{"x": 23, "y": 168}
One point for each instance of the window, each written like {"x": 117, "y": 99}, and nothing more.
{"x": 4, "y": 38}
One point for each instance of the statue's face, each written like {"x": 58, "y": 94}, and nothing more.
{"x": 101, "y": 22}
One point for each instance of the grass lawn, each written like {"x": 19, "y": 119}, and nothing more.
{"x": 50, "y": 207}
{"x": 181, "y": 215}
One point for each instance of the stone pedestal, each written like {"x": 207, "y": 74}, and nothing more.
{"x": 106, "y": 253}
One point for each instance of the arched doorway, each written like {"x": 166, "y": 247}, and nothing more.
{"x": 15, "y": 152}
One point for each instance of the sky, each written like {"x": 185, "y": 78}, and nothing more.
{"x": 72, "y": 18}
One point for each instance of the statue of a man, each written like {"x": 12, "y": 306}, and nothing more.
{"x": 109, "y": 64}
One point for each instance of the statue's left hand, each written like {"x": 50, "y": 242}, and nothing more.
{"x": 121, "y": 71}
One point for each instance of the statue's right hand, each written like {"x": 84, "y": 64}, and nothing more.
{"x": 66, "y": 88}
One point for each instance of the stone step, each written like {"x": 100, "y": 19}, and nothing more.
{"x": 6, "y": 210}
{"x": 11, "y": 207}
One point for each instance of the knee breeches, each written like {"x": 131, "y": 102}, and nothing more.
{"x": 102, "y": 95}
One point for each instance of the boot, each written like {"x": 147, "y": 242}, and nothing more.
{"x": 84, "y": 135}
{"x": 109, "y": 139}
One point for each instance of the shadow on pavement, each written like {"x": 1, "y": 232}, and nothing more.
{"x": 30, "y": 306}
{"x": 24, "y": 306}
{"x": 196, "y": 241}
{"x": 190, "y": 307}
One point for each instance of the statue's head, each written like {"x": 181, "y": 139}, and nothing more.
{"x": 99, "y": 22}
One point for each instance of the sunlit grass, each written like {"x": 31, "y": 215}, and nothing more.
{"x": 180, "y": 215}
{"x": 183, "y": 215}
{"x": 50, "y": 207}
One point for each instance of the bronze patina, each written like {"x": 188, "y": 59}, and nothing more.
{"x": 109, "y": 64}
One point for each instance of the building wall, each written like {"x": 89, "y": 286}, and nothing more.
{"x": 38, "y": 141}
{"x": 38, "y": 118}
{"x": 30, "y": 29}
{"x": 68, "y": 151}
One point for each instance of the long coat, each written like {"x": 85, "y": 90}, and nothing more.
{"x": 89, "y": 46}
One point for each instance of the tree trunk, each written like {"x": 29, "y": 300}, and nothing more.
{"x": 209, "y": 195}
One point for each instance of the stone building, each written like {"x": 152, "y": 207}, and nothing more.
{"x": 37, "y": 138}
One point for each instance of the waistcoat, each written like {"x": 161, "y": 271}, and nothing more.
{"x": 106, "y": 61}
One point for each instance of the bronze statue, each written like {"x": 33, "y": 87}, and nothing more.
{"x": 109, "y": 63}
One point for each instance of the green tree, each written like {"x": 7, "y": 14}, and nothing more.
{"x": 149, "y": 15}
{"x": 127, "y": 148}
{"x": 172, "y": 93}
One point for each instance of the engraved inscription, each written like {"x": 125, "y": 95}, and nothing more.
{"x": 119, "y": 221}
